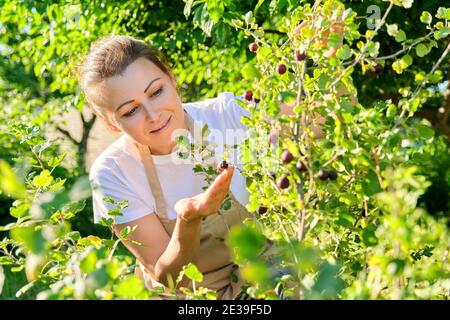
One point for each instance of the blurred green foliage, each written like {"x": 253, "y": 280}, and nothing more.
{"x": 380, "y": 231}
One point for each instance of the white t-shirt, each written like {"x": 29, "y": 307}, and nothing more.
{"x": 118, "y": 172}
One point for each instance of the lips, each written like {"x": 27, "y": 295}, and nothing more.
{"x": 164, "y": 126}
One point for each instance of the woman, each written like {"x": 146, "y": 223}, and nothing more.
{"x": 133, "y": 91}
{"x": 130, "y": 87}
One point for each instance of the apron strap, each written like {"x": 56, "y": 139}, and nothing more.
{"x": 153, "y": 180}
{"x": 150, "y": 170}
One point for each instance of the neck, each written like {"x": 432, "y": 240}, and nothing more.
{"x": 167, "y": 149}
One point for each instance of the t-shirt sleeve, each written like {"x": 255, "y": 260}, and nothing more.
{"x": 105, "y": 184}
{"x": 233, "y": 111}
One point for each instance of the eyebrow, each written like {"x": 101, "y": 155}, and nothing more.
{"x": 129, "y": 101}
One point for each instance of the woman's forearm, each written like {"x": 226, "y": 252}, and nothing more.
{"x": 182, "y": 249}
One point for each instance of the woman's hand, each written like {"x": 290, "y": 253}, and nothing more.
{"x": 208, "y": 202}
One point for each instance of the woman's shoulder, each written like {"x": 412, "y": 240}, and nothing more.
{"x": 119, "y": 152}
{"x": 221, "y": 101}
{"x": 222, "y": 111}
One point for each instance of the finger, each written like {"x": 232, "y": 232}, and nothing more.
{"x": 223, "y": 180}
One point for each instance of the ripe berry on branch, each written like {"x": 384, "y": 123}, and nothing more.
{"x": 281, "y": 68}
{"x": 322, "y": 175}
{"x": 248, "y": 95}
{"x": 273, "y": 138}
{"x": 253, "y": 47}
{"x": 378, "y": 68}
{"x": 300, "y": 56}
{"x": 261, "y": 210}
{"x": 332, "y": 175}
{"x": 283, "y": 182}
{"x": 286, "y": 157}
{"x": 222, "y": 166}
{"x": 301, "y": 166}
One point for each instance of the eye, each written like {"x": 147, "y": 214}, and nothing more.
{"x": 131, "y": 112}
{"x": 157, "y": 92}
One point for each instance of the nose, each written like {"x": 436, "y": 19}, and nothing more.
{"x": 152, "y": 114}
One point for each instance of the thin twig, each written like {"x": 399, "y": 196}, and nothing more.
{"x": 405, "y": 48}
{"x": 68, "y": 135}
{"x": 363, "y": 52}
{"x": 417, "y": 91}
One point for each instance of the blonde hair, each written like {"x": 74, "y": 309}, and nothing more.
{"x": 110, "y": 56}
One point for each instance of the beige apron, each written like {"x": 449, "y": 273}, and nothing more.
{"x": 214, "y": 260}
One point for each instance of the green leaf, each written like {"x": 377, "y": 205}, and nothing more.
{"x": 215, "y": 10}
{"x": 426, "y": 17}
{"x": 400, "y": 65}
{"x": 205, "y": 131}
{"x": 344, "y": 52}
{"x": 9, "y": 182}
{"x": 443, "y": 13}
{"x": 249, "y": 71}
{"x": 371, "y": 184}
{"x": 345, "y": 220}
{"x": 75, "y": 206}
{"x": 89, "y": 261}
{"x": 373, "y": 49}
{"x": 187, "y": 8}
{"x": 55, "y": 161}
{"x": 260, "y": 2}
{"x": 422, "y": 50}
{"x": 129, "y": 287}
{"x": 334, "y": 40}
{"x": 125, "y": 232}
{"x": 323, "y": 81}
{"x": 392, "y": 29}
{"x": 246, "y": 241}
{"x": 442, "y": 33}
{"x": 400, "y": 36}
{"x": 106, "y": 222}
{"x": 43, "y": 179}
{"x": 20, "y": 210}
{"x": 226, "y": 205}
{"x": 328, "y": 284}
{"x": 256, "y": 272}
{"x": 191, "y": 271}
{"x": 32, "y": 239}
{"x": 407, "y": 59}
{"x": 74, "y": 235}
{"x": 424, "y": 131}
{"x": 369, "y": 237}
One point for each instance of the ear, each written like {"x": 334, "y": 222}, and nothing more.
{"x": 109, "y": 124}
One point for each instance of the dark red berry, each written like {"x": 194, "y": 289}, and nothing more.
{"x": 300, "y": 56}
{"x": 322, "y": 175}
{"x": 286, "y": 157}
{"x": 253, "y": 47}
{"x": 301, "y": 166}
{"x": 273, "y": 138}
{"x": 262, "y": 210}
{"x": 283, "y": 182}
{"x": 248, "y": 95}
{"x": 222, "y": 166}
{"x": 378, "y": 68}
{"x": 332, "y": 175}
{"x": 281, "y": 68}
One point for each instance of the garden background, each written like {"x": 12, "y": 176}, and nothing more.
{"x": 377, "y": 231}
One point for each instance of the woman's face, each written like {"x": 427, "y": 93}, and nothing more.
{"x": 143, "y": 103}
